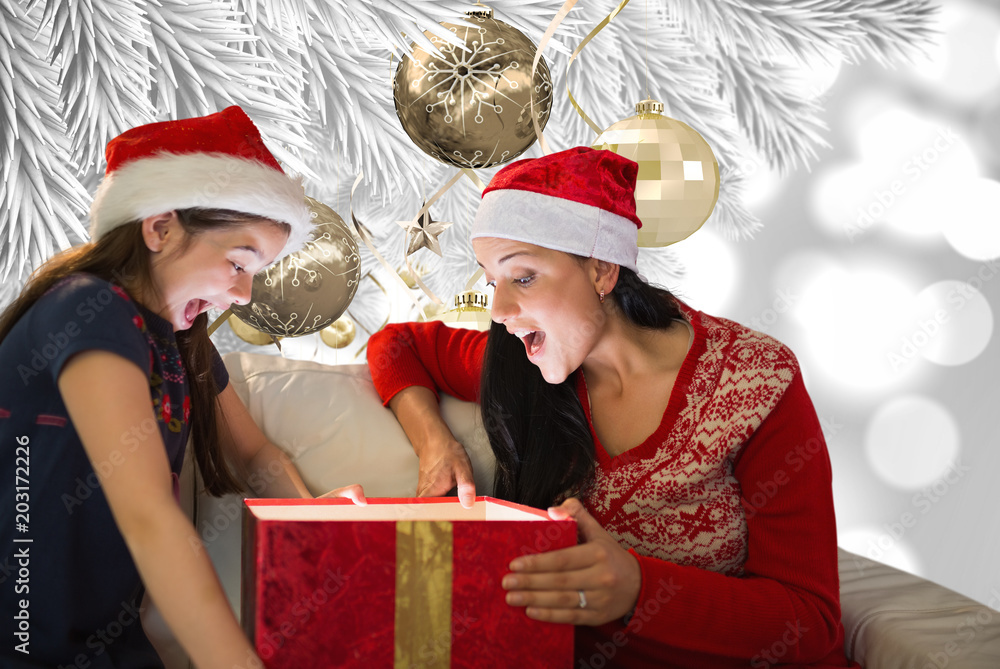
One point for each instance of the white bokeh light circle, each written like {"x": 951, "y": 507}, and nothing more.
{"x": 911, "y": 442}
{"x": 954, "y": 323}
{"x": 761, "y": 184}
{"x": 954, "y": 66}
{"x": 854, "y": 320}
{"x": 711, "y": 267}
{"x": 885, "y": 544}
{"x": 971, "y": 219}
{"x": 909, "y": 166}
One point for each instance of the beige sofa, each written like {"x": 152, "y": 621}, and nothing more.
{"x": 332, "y": 423}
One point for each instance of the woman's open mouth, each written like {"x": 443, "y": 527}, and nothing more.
{"x": 533, "y": 340}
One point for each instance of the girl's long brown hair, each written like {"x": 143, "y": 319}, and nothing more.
{"x": 121, "y": 257}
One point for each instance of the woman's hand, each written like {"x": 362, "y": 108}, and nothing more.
{"x": 353, "y": 491}
{"x": 549, "y": 584}
{"x": 443, "y": 468}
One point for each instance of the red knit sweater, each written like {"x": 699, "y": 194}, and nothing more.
{"x": 727, "y": 506}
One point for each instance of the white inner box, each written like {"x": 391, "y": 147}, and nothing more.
{"x": 432, "y": 511}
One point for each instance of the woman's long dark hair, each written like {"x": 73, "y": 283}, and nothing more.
{"x": 121, "y": 257}
{"x": 538, "y": 431}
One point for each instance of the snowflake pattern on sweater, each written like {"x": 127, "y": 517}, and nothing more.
{"x": 680, "y": 500}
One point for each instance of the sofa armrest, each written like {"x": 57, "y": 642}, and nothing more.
{"x": 895, "y": 620}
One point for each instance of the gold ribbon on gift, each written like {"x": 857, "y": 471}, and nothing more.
{"x": 423, "y": 594}
{"x": 576, "y": 52}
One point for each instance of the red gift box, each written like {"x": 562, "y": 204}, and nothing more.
{"x": 411, "y": 582}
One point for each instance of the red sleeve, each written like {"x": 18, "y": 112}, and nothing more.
{"x": 789, "y": 592}
{"x": 431, "y": 354}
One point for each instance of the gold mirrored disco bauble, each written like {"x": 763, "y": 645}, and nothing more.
{"x": 473, "y": 108}
{"x": 340, "y": 334}
{"x": 307, "y": 290}
{"x": 678, "y": 182}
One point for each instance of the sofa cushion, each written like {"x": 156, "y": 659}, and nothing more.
{"x": 331, "y": 422}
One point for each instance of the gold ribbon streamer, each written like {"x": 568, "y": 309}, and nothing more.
{"x": 474, "y": 178}
{"x": 423, "y": 594}
{"x": 576, "y": 52}
{"x": 366, "y": 237}
{"x": 219, "y": 321}
{"x": 475, "y": 277}
{"x": 560, "y": 15}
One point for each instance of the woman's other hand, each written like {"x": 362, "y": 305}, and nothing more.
{"x": 549, "y": 584}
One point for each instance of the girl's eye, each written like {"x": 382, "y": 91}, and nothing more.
{"x": 525, "y": 280}
{"x": 236, "y": 267}
{"x": 491, "y": 284}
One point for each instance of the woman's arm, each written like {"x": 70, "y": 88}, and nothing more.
{"x": 409, "y": 364}
{"x": 269, "y": 471}
{"x": 107, "y": 396}
{"x": 444, "y": 464}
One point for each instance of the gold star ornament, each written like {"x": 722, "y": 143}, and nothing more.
{"x": 423, "y": 233}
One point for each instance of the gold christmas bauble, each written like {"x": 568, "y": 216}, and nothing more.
{"x": 340, "y": 334}
{"x": 471, "y": 311}
{"x": 473, "y": 108}
{"x": 678, "y": 182}
{"x": 309, "y": 289}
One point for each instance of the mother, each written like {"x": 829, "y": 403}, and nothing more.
{"x": 685, "y": 445}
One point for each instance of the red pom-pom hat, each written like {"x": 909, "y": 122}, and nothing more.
{"x": 580, "y": 201}
{"x": 217, "y": 161}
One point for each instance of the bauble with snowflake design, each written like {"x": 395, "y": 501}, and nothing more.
{"x": 472, "y": 108}
{"x": 307, "y": 290}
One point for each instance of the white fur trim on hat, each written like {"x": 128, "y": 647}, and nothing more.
{"x": 169, "y": 181}
{"x": 558, "y": 224}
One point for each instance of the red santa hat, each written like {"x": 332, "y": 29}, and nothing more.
{"x": 580, "y": 201}
{"x": 217, "y": 161}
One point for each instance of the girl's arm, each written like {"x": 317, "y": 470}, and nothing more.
{"x": 269, "y": 471}
{"x": 106, "y": 397}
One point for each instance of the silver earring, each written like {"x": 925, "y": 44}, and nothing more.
{"x": 602, "y": 297}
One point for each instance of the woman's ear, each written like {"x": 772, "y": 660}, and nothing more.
{"x": 159, "y": 229}
{"x": 605, "y": 276}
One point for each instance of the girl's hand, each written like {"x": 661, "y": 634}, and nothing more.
{"x": 548, "y": 584}
{"x": 353, "y": 491}
{"x": 443, "y": 468}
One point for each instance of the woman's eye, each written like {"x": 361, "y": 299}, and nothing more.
{"x": 237, "y": 267}
{"x": 525, "y": 280}
{"x": 491, "y": 284}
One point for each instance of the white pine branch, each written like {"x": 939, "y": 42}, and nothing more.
{"x": 202, "y": 69}
{"x": 778, "y": 121}
{"x": 893, "y": 30}
{"x": 40, "y": 196}
{"x": 105, "y": 81}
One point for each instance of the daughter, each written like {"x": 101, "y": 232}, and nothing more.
{"x": 108, "y": 369}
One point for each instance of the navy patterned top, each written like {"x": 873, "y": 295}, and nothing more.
{"x": 69, "y": 589}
